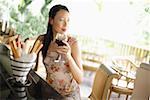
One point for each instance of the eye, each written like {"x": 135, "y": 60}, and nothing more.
{"x": 61, "y": 19}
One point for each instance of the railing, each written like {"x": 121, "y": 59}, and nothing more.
{"x": 109, "y": 48}
{"x": 139, "y": 54}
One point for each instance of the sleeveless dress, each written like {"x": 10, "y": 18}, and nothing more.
{"x": 59, "y": 75}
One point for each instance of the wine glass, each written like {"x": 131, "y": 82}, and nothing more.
{"x": 59, "y": 40}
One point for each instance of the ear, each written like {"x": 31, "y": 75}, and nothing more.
{"x": 51, "y": 21}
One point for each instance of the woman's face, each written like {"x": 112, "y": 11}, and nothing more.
{"x": 60, "y": 22}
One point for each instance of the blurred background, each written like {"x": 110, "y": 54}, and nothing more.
{"x": 93, "y": 21}
{"x": 104, "y": 27}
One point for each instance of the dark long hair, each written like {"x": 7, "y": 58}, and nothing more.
{"x": 48, "y": 37}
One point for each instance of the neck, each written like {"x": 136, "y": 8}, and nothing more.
{"x": 54, "y": 35}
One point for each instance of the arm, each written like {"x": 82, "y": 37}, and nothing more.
{"x": 75, "y": 62}
{"x": 73, "y": 54}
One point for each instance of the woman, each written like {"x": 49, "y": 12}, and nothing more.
{"x": 64, "y": 76}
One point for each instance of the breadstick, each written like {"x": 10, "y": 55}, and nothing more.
{"x": 3, "y": 26}
{"x": 7, "y": 30}
{"x": 13, "y": 38}
{"x": 18, "y": 52}
{"x": 27, "y": 46}
{"x": 19, "y": 42}
{"x": 29, "y": 50}
{"x": 11, "y": 32}
{"x": 13, "y": 50}
{"x": 1, "y": 38}
{"x": 14, "y": 44}
{"x": 38, "y": 49}
{"x": 35, "y": 46}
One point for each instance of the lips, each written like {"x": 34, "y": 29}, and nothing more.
{"x": 64, "y": 30}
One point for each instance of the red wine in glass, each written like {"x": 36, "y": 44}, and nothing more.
{"x": 59, "y": 41}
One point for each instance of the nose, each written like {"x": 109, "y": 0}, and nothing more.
{"x": 66, "y": 23}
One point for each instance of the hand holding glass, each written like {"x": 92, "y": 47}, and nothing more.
{"x": 59, "y": 40}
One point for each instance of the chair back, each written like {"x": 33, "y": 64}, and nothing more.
{"x": 102, "y": 82}
{"x": 142, "y": 83}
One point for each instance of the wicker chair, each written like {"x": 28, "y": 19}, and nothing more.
{"x": 126, "y": 69}
{"x": 102, "y": 83}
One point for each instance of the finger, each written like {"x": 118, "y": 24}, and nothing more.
{"x": 62, "y": 47}
{"x": 60, "y": 52}
{"x": 64, "y": 51}
{"x": 66, "y": 43}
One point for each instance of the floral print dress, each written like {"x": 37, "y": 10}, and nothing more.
{"x": 60, "y": 77}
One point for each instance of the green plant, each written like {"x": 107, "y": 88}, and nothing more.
{"x": 22, "y": 19}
